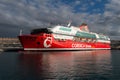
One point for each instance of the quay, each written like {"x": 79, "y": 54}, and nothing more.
{"x": 7, "y": 44}
{"x": 115, "y": 44}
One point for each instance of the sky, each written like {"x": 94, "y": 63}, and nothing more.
{"x": 102, "y": 16}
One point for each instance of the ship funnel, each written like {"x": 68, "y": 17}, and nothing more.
{"x": 84, "y": 27}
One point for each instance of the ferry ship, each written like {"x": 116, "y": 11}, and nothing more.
{"x": 64, "y": 38}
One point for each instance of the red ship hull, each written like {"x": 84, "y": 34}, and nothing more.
{"x": 48, "y": 42}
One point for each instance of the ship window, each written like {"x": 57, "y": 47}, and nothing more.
{"x": 76, "y": 39}
{"x": 83, "y": 39}
{"x": 63, "y": 40}
{"x": 94, "y": 40}
{"x": 89, "y": 39}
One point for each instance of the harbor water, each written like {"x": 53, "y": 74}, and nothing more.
{"x": 60, "y": 65}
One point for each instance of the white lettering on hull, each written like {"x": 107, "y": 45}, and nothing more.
{"x": 81, "y": 46}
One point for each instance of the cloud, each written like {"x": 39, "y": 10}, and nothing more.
{"x": 112, "y": 17}
{"x": 28, "y": 14}
{"x": 77, "y": 2}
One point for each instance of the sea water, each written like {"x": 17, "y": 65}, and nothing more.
{"x": 60, "y": 65}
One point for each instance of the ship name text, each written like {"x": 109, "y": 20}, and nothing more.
{"x": 81, "y": 46}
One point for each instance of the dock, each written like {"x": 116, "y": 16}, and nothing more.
{"x": 115, "y": 44}
{"x": 7, "y": 44}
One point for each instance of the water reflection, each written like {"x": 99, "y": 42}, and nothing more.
{"x": 116, "y": 64}
{"x": 66, "y": 64}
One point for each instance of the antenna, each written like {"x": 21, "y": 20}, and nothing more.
{"x": 20, "y": 32}
{"x": 69, "y": 24}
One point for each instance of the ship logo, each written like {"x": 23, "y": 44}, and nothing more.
{"x": 47, "y": 42}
